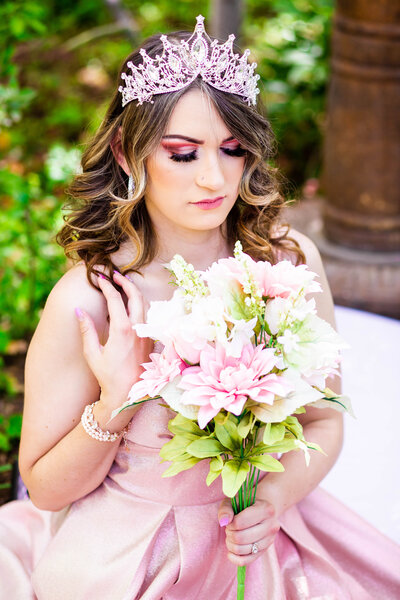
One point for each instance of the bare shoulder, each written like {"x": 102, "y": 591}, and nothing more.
{"x": 324, "y": 300}
{"x": 310, "y": 250}
{"x": 74, "y": 287}
{"x": 74, "y": 290}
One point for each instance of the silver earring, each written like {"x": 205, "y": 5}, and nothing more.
{"x": 131, "y": 187}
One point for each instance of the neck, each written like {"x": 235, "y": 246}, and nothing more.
{"x": 199, "y": 248}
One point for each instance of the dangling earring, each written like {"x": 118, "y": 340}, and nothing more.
{"x": 131, "y": 187}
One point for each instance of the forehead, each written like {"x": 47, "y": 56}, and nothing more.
{"x": 196, "y": 116}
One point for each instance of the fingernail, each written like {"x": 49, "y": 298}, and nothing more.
{"x": 223, "y": 522}
{"x": 79, "y": 313}
{"x": 116, "y": 272}
{"x": 130, "y": 278}
{"x": 101, "y": 276}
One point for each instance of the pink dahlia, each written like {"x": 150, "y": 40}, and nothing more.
{"x": 161, "y": 370}
{"x": 225, "y": 382}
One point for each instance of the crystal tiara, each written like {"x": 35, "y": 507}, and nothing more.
{"x": 180, "y": 64}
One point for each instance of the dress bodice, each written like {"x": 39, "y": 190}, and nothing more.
{"x": 138, "y": 469}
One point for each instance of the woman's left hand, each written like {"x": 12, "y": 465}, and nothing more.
{"x": 257, "y": 524}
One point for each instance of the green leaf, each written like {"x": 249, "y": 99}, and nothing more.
{"x": 284, "y": 445}
{"x": 4, "y": 468}
{"x": 181, "y": 424}
{"x": 234, "y": 299}
{"x": 265, "y": 462}
{"x": 300, "y": 411}
{"x": 274, "y": 432}
{"x": 245, "y": 425}
{"x": 233, "y": 475}
{"x": 205, "y": 448}
{"x": 175, "y": 448}
{"x": 314, "y": 446}
{"x": 216, "y": 465}
{"x": 178, "y": 467}
{"x": 292, "y": 424}
{"x": 228, "y": 435}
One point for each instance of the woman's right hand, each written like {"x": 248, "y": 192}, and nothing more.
{"x": 116, "y": 364}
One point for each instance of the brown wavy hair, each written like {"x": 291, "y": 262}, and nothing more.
{"x": 101, "y": 218}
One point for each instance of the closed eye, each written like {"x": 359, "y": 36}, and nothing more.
{"x": 190, "y": 156}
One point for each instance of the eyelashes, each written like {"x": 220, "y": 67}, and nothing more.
{"x": 193, "y": 156}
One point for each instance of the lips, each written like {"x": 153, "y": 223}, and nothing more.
{"x": 209, "y": 203}
{"x": 209, "y": 200}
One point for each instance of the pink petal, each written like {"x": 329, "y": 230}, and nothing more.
{"x": 236, "y": 407}
{"x": 206, "y": 413}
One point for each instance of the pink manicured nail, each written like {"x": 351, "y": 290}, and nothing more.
{"x": 79, "y": 313}
{"x": 223, "y": 522}
{"x": 101, "y": 275}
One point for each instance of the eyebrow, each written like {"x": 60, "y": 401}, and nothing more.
{"x": 193, "y": 140}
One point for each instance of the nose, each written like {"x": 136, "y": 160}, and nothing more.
{"x": 209, "y": 174}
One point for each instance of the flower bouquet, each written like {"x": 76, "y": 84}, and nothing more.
{"x": 244, "y": 353}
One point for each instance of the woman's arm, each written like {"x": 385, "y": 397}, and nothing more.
{"x": 278, "y": 491}
{"x": 59, "y": 461}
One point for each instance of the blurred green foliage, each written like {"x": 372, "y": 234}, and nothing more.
{"x": 54, "y": 88}
{"x": 10, "y": 431}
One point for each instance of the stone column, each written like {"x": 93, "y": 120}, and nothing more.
{"x": 362, "y": 143}
{"x": 226, "y": 18}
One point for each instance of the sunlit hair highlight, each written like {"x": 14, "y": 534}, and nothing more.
{"x": 100, "y": 216}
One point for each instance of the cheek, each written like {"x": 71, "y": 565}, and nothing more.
{"x": 167, "y": 174}
{"x": 234, "y": 171}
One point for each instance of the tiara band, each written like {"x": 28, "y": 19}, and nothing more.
{"x": 180, "y": 64}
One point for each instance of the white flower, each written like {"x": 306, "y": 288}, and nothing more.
{"x": 172, "y": 396}
{"x": 282, "y": 407}
{"x": 189, "y": 280}
{"x": 162, "y": 318}
{"x": 289, "y": 341}
{"x": 241, "y": 334}
{"x": 317, "y": 353}
{"x": 281, "y": 313}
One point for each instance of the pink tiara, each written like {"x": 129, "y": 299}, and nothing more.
{"x": 180, "y": 64}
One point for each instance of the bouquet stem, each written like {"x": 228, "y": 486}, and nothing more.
{"x": 241, "y": 576}
{"x": 245, "y": 497}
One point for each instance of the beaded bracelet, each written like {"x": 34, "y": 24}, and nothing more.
{"x": 92, "y": 428}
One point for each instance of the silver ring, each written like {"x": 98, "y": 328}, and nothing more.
{"x": 254, "y": 548}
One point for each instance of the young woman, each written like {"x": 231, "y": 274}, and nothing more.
{"x": 178, "y": 167}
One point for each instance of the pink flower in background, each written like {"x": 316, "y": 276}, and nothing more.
{"x": 224, "y": 274}
{"x": 161, "y": 370}
{"x": 279, "y": 280}
{"x": 283, "y": 279}
{"x": 225, "y": 382}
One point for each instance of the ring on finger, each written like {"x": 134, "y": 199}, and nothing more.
{"x": 254, "y": 548}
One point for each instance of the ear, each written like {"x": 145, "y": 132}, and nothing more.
{"x": 118, "y": 154}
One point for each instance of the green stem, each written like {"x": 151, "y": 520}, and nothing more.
{"x": 245, "y": 497}
{"x": 255, "y": 486}
{"x": 241, "y": 576}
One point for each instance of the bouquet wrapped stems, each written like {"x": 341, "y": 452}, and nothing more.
{"x": 245, "y": 497}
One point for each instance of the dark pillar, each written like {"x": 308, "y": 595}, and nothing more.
{"x": 362, "y": 143}
{"x": 226, "y": 18}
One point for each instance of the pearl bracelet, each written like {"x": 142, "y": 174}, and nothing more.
{"x": 92, "y": 428}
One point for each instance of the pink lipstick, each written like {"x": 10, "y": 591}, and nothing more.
{"x": 209, "y": 203}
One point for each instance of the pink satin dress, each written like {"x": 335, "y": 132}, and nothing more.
{"x": 139, "y": 536}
